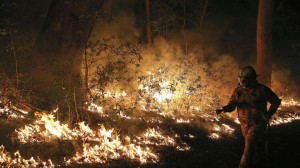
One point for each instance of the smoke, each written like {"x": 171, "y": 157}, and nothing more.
{"x": 122, "y": 24}
{"x": 186, "y": 69}
{"x": 283, "y": 85}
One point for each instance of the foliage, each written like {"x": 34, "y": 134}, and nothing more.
{"x": 16, "y": 36}
{"x": 111, "y": 65}
{"x": 163, "y": 19}
{"x": 82, "y": 8}
{"x": 169, "y": 16}
{"x": 123, "y": 78}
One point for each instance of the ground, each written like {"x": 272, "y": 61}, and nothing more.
{"x": 205, "y": 152}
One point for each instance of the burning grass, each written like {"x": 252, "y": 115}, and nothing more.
{"x": 139, "y": 142}
{"x": 7, "y": 160}
{"x": 100, "y": 144}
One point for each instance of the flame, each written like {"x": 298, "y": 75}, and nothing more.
{"x": 180, "y": 120}
{"x": 181, "y": 94}
{"x": 102, "y": 144}
{"x": 214, "y": 136}
{"x": 284, "y": 118}
{"x": 44, "y": 129}
{"x": 16, "y": 160}
{"x": 95, "y": 108}
{"x": 164, "y": 94}
{"x": 221, "y": 130}
{"x": 290, "y": 102}
{"x": 107, "y": 144}
{"x": 12, "y": 112}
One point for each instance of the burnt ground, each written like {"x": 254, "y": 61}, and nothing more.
{"x": 205, "y": 152}
{"x": 225, "y": 153}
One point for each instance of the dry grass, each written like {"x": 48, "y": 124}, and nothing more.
{"x": 205, "y": 152}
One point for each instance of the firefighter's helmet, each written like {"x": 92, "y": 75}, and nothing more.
{"x": 248, "y": 72}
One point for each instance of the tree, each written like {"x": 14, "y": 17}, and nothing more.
{"x": 148, "y": 23}
{"x": 57, "y": 55}
{"x": 264, "y": 41}
{"x": 201, "y": 12}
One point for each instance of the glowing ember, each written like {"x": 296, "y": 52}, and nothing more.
{"x": 180, "y": 120}
{"x": 227, "y": 128}
{"x": 284, "y": 118}
{"x": 219, "y": 130}
{"x": 191, "y": 136}
{"x": 116, "y": 94}
{"x": 290, "y": 102}
{"x": 157, "y": 137}
{"x": 209, "y": 117}
{"x": 214, "y": 136}
{"x": 95, "y": 108}
{"x": 237, "y": 121}
{"x": 12, "y": 112}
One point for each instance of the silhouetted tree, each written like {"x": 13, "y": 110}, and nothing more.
{"x": 148, "y": 23}
{"x": 57, "y": 55}
{"x": 264, "y": 41}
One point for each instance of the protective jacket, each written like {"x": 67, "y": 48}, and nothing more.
{"x": 252, "y": 103}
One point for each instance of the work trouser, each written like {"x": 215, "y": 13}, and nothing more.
{"x": 255, "y": 136}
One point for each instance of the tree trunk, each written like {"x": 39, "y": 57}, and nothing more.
{"x": 264, "y": 41}
{"x": 201, "y": 9}
{"x": 57, "y": 56}
{"x": 148, "y": 23}
{"x": 140, "y": 22}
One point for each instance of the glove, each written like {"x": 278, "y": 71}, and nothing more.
{"x": 218, "y": 111}
{"x": 226, "y": 108}
{"x": 266, "y": 116}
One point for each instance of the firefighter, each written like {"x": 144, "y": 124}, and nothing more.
{"x": 251, "y": 99}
